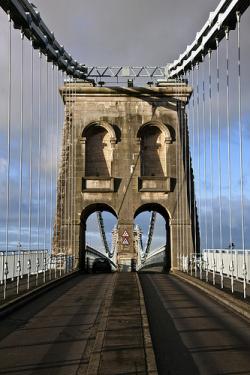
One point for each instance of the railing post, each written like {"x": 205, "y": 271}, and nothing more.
{"x": 22, "y": 268}
{"x": 201, "y": 265}
{"x": 37, "y": 269}
{"x": 18, "y": 267}
{"x": 50, "y": 267}
{"x": 221, "y": 272}
{"x": 29, "y": 271}
{"x": 2, "y": 272}
{"x": 214, "y": 266}
{"x": 207, "y": 265}
{"x": 244, "y": 271}
{"x": 44, "y": 267}
{"x": 231, "y": 269}
{"x": 6, "y": 271}
{"x": 13, "y": 266}
{"x": 55, "y": 263}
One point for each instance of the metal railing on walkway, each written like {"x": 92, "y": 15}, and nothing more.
{"x": 26, "y": 270}
{"x": 220, "y": 266}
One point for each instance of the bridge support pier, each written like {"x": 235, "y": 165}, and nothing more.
{"x": 126, "y": 251}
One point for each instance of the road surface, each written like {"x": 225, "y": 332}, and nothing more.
{"x": 191, "y": 333}
{"x": 53, "y": 334}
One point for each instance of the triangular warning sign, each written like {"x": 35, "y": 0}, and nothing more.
{"x": 125, "y": 241}
{"x": 125, "y": 234}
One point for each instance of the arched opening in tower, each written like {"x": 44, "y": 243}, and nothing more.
{"x": 152, "y": 237}
{"x": 153, "y": 153}
{"x": 98, "y": 237}
{"x": 98, "y": 152}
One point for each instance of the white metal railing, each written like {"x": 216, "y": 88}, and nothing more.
{"x": 21, "y": 271}
{"x": 18, "y": 263}
{"x": 233, "y": 264}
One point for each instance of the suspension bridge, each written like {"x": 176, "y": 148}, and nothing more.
{"x": 112, "y": 148}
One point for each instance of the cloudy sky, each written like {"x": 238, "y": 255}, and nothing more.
{"x": 131, "y": 32}
{"x": 113, "y": 32}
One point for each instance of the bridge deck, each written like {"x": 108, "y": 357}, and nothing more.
{"x": 53, "y": 334}
{"x": 89, "y": 325}
{"x": 93, "y": 324}
{"x": 191, "y": 333}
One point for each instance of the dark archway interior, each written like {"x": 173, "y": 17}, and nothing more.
{"x": 166, "y": 266}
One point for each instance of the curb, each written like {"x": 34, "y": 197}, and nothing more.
{"x": 149, "y": 351}
{"x": 237, "y": 306}
{"x": 19, "y": 302}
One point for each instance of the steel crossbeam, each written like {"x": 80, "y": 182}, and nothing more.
{"x": 127, "y": 71}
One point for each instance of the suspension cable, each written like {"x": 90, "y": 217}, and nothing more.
{"x": 66, "y": 166}
{"x": 62, "y": 181}
{"x": 31, "y": 164}
{"x": 150, "y": 232}
{"x": 19, "y": 268}
{"x": 51, "y": 157}
{"x": 229, "y": 158}
{"x": 198, "y": 139}
{"x": 57, "y": 168}
{"x": 74, "y": 177}
{"x": 102, "y": 233}
{"x": 39, "y": 163}
{"x": 69, "y": 169}
{"x": 219, "y": 157}
{"x": 193, "y": 152}
{"x": 72, "y": 165}
{"x": 210, "y": 143}
{"x": 183, "y": 178}
{"x": 205, "y": 151}
{"x": 39, "y": 149}
{"x": 45, "y": 171}
{"x": 177, "y": 138}
{"x": 181, "y": 167}
{"x": 8, "y": 161}
{"x": 66, "y": 215}
{"x": 244, "y": 269}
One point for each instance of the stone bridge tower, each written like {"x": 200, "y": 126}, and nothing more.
{"x": 131, "y": 153}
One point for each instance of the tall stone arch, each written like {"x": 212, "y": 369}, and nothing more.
{"x": 164, "y": 212}
{"x": 86, "y": 212}
{"x": 154, "y": 139}
{"x": 98, "y": 140}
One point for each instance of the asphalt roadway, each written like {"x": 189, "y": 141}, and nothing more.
{"x": 191, "y": 333}
{"x": 53, "y": 334}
